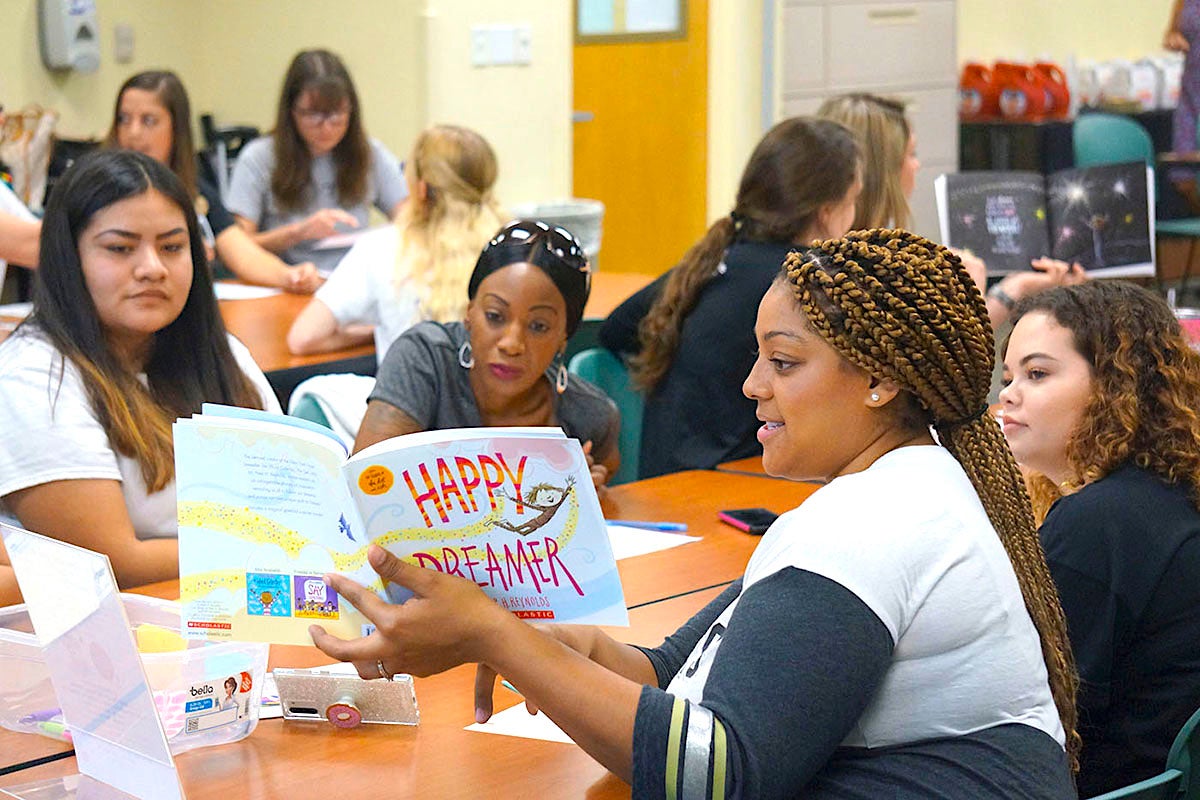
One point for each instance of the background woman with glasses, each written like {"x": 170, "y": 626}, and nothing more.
{"x": 318, "y": 172}
{"x": 504, "y": 365}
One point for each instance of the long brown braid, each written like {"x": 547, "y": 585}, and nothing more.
{"x": 904, "y": 309}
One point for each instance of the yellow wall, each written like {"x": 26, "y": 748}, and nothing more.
{"x": 248, "y": 45}
{"x": 734, "y": 97}
{"x": 232, "y": 54}
{"x": 164, "y": 35}
{"x": 523, "y": 111}
{"x": 1089, "y": 29}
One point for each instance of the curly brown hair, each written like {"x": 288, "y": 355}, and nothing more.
{"x": 904, "y": 309}
{"x": 1146, "y": 387}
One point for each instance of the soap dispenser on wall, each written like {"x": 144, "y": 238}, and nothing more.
{"x": 69, "y": 34}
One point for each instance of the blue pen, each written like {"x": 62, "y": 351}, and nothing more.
{"x": 671, "y": 527}
{"x": 40, "y": 716}
{"x": 504, "y": 682}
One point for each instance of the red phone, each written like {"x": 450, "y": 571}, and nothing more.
{"x": 751, "y": 520}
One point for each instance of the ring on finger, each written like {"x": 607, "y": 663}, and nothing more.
{"x": 383, "y": 673}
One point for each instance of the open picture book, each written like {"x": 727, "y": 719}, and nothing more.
{"x": 269, "y": 503}
{"x": 1101, "y": 217}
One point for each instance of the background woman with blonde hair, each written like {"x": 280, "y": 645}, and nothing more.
{"x": 889, "y": 150}
{"x": 416, "y": 269}
{"x": 690, "y": 333}
{"x": 1100, "y": 406}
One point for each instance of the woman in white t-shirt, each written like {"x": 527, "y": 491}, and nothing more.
{"x": 416, "y": 269}
{"x": 124, "y": 338}
{"x": 897, "y": 635}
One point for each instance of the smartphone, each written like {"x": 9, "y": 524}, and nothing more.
{"x": 346, "y": 701}
{"x": 750, "y": 520}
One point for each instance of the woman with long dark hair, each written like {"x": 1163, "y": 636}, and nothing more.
{"x": 689, "y": 335}
{"x": 317, "y": 174}
{"x": 124, "y": 338}
{"x": 153, "y": 116}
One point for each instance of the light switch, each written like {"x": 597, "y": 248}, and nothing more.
{"x": 480, "y": 46}
{"x": 123, "y": 43}
{"x": 524, "y": 44}
{"x": 503, "y": 41}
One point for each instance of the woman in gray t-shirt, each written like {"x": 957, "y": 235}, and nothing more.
{"x": 504, "y": 365}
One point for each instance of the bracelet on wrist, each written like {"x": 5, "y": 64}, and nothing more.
{"x": 1002, "y": 297}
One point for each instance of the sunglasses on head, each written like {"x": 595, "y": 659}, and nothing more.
{"x": 558, "y": 241}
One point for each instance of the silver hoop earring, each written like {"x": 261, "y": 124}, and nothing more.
{"x": 466, "y": 359}
{"x": 874, "y": 397}
{"x": 561, "y": 378}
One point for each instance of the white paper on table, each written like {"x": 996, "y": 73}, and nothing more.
{"x": 16, "y": 310}
{"x": 516, "y": 721}
{"x": 341, "y": 241}
{"x": 629, "y": 542}
{"x": 240, "y": 291}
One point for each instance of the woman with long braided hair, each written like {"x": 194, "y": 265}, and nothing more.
{"x": 1100, "y": 408}
{"x": 884, "y": 639}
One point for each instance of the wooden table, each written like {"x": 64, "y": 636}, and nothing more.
{"x": 438, "y": 759}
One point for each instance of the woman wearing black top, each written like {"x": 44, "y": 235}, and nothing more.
{"x": 1100, "y": 406}
{"x": 691, "y": 332}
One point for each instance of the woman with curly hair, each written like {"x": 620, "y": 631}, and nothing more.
{"x": 897, "y": 635}
{"x": 1100, "y": 408}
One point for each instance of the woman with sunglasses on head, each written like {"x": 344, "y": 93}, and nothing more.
{"x": 505, "y": 364}
{"x": 124, "y": 338}
{"x": 153, "y": 116}
{"x": 689, "y": 334}
{"x": 897, "y": 635}
{"x": 1100, "y": 408}
{"x": 417, "y": 268}
{"x": 890, "y": 164}
{"x": 318, "y": 173}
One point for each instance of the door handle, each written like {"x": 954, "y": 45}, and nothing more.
{"x": 582, "y": 116}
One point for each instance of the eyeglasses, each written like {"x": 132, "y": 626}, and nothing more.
{"x": 314, "y": 118}
{"x": 559, "y": 241}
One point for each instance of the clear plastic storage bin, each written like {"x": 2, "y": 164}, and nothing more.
{"x": 581, "y": 217}
{"x": 206, "y": 694}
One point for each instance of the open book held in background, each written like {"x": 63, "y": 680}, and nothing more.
{"x": 1101, "y": 217}
{"x": 270, "y": 503}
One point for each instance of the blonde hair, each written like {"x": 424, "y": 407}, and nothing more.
{"x": 441, "y": 236}
{"x": 882, "y": 132}
{"x": 904, "y": 309}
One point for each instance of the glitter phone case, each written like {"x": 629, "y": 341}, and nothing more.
{"x": 346, "y": 701}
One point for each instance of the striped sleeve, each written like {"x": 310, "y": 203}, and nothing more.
{"x": 798, "y": 663}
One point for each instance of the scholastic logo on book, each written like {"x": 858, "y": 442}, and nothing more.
{"x": 218, "y": 626}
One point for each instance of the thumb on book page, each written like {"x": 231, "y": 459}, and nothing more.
{"x": 396, "y": 571}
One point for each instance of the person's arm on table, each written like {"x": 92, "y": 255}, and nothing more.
{"x": 317, "y": 225}
{"x": 91, "y": 513}
{"x": 784, "y": 689}
{"x": 316, "y": 330}
{"x": 253, "y": 264}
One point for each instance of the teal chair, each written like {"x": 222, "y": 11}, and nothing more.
{"x": 608, "y": 372}
{"x": 1113, "y": 139}
{"x": 1178, "y": 781}
{"x": 308, "y": 408}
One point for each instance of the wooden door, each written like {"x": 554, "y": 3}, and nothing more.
{"x": 643, "y": 151}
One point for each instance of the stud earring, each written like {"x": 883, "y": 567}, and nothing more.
{"x": 874, "y": 397}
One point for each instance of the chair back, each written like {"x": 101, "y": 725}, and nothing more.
{"x": 1099, "y": 138}
{"x": 1165, "y": 786}
{"x": 608, "y": 372}
{"x": 1185, "y": 757}
{"x": 308, "y": 408}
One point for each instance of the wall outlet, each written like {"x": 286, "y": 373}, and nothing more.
{"x": 503, "y": 44}
{"x": 123, "y": 43}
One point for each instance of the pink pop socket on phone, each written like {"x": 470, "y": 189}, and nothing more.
{"x": 343, "y": 714}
